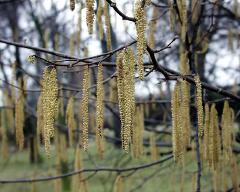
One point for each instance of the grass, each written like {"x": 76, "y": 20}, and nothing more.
{"x": 166, "y": 177}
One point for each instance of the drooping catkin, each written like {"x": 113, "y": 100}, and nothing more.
{"x": 49, "y": 104}
{"x": 154, "y": 149}
{"x": 137, "y": 134}
{"x": 177, "y": 133}
{"x": 214, "y": 138}
{"x": 19, "y": 120}
{"x": 199, "y": 105}
{"x": 71, "y": 45}
{"x": 126, "y": 94}
{"x": 119, "y": 185}
{"x": 58, "y": 182}
{"x": 140, "y": 16}
{"x": 79, "y": 30}
{"x": 184, "y": 67}
{"x": 46, "y": 38}
{"x": 99, "y": 19}
{"x": 227, "y": 126}
{"x": 235, "y": 173}
{"x": 72, "y": 4}
{"x": 108, "y": 25}
{"x": 113, "y": 92}
{"x": 153, "y": 28}
{"x": 100, "y": 111}
{"x": 40, "y": 124}
{"x": 77, "y": 166}
{"x": 171, "y": 15}
{"x": 70, "y": 120}
{"x": 61, "y": 111}
{"x": 90, "y": 15}
{"x": 78, "y": 182}
{"x": 9, "y": 101}
{"x": 3, "y": 134}
{"x": 182, "y": 6}
{"x": 84, "y": 107}
{"x": 184, "y": 111}
{"x": 206, "y": 132}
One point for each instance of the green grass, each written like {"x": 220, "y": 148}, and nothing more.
{"x": 167, "y": 176}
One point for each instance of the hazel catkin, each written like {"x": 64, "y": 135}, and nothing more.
{"x": 140, "y": 17}
{"x": 199, "y": 105}
{"x": 49, "y": 104}
{"x": 84, "y": 107}
{"x": 90, "y": 15}
{"x": 19, "y": 121}
{"x": 126, "y": 98}
{"x": 100, "y": 111}
{"x": 71, "y": 123}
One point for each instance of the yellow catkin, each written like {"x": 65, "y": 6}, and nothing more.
{"x": 140, "y": 17}
{"x": 3, "y": 134}
{"x": 125, "y": 82}
{"x": 154, "y": 149}
{"x": 194, "y": 179}
{"x": 46, "y": 38}
{"x": 58, "y": 182}
{"x": 214, "y": 138}
{"x": 119, "y": 185}
{"x": 206, "y": 132}
{"x": 184, "y": 112}
{"x": 182, "y": 179}
{"x": 184, "y": 21}
{"x": 113, "y": 94}
{"x": 78, "y": 182}
{"x": 171, "y": 15}
{"x": 72, "y": 4}
{"x": 235, "y": 173}
{"x": 227, "y": 127}
{"x": 71, "y": 123}
{"x": 19, "y": 121}
{"x": 39, "y": 116}
{"x": 177, "y": 133}
{"x": 90, "y": 15}
{"x": 153, "y": 28}
{"x": 84, "y": 107}
{"x": 99, "y": 19}
{"x": 61, "y": 102}
{"x": 100, "y": 111}
{"x": 184, "y": 67}
{"x": 199, "y": 105}
{"x": 71, "y": 45}
{"x": 108, "y": 25}
{"x": 62, "y": 148}
{"x": 9, "y": 101}
{"x": 79, "y": 30}
{"x": 137, "y": 134}
{"x": 49, "y": 104}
